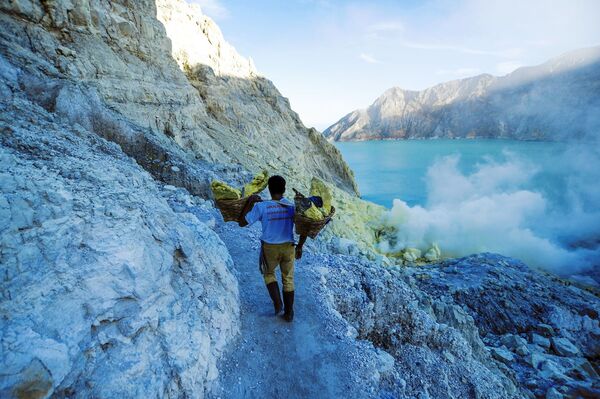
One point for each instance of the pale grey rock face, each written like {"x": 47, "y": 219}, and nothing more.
{"x": 564, "y": 347}
{"x": 559, "y": 99}
{"x": 436, "y": 346}
{"x": 196, "y": 39}
{"x": 213, "y": 104}
{"x": 106, "y": 290}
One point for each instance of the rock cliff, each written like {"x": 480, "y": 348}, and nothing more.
{"x": 164, "y": 68}
{"x": 557, "y": 100}
{"x": 106, "y": 291}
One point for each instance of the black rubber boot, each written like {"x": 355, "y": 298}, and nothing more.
{"x": 288, "y": 303}
{"x": 275, "y": 297}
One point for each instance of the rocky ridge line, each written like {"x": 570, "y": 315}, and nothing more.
{"x": 556, "y": 100}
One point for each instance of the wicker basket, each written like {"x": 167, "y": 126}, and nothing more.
{"x": 231, "y": 209}
{"x": 309, "y": 227}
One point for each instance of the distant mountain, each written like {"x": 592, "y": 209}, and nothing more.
{"x": 558, "y": 99}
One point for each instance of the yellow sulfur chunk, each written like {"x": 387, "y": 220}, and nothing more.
{"x": 318, "y": 188}
{"x": 258, "y": 183}
{"x": 313, "y": 213}
{"x": 222, "y": 191}
{"x": 411, "y": 254}
{"x": 434, "y": 253}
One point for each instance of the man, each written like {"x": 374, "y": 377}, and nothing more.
{"x": 277, "y": 242}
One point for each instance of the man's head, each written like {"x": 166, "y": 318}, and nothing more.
{"x": 276, "y": 185}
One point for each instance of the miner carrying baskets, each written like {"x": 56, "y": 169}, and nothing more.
{"x": 278, "y": 216}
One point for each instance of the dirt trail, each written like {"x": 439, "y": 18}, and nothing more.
{"x": 309, "y": 358}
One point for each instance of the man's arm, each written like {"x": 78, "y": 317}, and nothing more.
{"x": 247, "y": 208}
{"x": 299, "y": 247}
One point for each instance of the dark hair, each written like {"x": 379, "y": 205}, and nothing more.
{"x": 276, "y": 185}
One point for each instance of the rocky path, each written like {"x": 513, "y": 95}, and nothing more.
{"x": 430, "y": 344}
{"x": 309, "y": 358}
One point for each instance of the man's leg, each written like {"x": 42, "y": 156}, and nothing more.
{"x": 271, "y": 256}
{"x": 287, "y": 277}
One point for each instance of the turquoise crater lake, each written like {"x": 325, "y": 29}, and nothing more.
{"x": 386, "y": 170}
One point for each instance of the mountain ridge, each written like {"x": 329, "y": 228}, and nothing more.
{"x": 513, "y": 106}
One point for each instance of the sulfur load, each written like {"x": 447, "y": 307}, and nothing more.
{"x": 222, "y": 191}
{"x": 258, "y": 183}
{"x": 313, "y": 213}
{"x": 319, "y": 189}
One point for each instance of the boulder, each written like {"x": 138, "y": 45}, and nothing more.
{"x": 564, "y": 347}
{"x": 522, "y": 350}
{"x": 512, "y": 341}
{"x": 536, "y": 359}
{"x": 550, "y": 370}
{"x": 539, "y": 340}
{"x": 545, "y": 329}
{"x": 502, "y": 355}
{"x": 385, "y": 361}
{"x": 411, "y": 254}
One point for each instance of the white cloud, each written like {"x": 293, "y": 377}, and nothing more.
{"x": 369, "y": 58}
{"x": 382, "y": 30}
{"x": 213, "y": 8}
{"x": 507, "y": 67}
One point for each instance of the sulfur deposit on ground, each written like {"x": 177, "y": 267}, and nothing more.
{"x": 120, "y": 279}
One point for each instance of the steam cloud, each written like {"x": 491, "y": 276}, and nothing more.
{"x": 496, "y": 209}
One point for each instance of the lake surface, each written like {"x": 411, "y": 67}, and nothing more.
{"x": 386, "y": 170}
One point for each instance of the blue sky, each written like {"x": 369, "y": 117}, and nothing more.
{"x": 330, "y": 57}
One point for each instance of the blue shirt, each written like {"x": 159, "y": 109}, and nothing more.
{"x": 276, "y": 218}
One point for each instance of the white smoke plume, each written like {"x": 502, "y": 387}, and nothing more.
{"x": 495, "y": 209}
